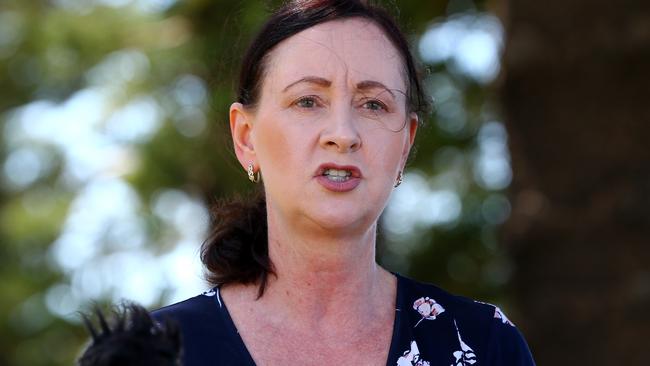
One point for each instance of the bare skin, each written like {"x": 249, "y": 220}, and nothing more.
{"x": 330, "y": 303}
{"x": 303, "y": 319}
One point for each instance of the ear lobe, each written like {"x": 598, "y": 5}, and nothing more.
{"x": 241, "y": 128}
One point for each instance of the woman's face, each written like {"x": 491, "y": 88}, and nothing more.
{"x": 331, "y": 130}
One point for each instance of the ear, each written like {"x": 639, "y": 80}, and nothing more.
{"x": 411, "y": 127}
{"x": 241, "y": 129}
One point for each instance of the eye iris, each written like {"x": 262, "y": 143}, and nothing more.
{"x": 306, "y": 103}
{"x": 374, "y": 106}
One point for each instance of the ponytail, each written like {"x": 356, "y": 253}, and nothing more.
{"x": 236, "y": 250}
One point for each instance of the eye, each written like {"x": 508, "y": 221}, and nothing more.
{"x": 374, "y": 105}
{"x": 306, "y": 102}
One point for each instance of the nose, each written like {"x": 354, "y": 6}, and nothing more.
{"x": 341, "y": 132}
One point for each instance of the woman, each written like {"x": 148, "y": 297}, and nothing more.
{"x": 327, "y": 113}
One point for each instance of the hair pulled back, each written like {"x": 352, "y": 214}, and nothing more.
{"x": 236, "y": 250}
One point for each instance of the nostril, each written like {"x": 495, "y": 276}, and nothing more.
{"x": 341, "y": 140}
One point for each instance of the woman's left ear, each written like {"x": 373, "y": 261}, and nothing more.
{"x": 412, "y": 126}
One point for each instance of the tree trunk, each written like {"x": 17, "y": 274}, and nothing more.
{"x": 576, "y": 97}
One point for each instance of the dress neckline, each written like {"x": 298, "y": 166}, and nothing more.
{"x": 248, "y": 359}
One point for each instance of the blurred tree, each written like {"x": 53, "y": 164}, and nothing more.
{"x": 115, "y": 140}
{"x": 576, "y": 102}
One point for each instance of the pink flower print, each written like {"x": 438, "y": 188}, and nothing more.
{"x": 428, "y": 308}
{"x": 498, "y": 314}
{"x": 412, "y": 357}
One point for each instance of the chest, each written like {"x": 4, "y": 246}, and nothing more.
{"x": 270, "y": 346}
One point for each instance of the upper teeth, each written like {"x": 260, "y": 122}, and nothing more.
{"x": 338, "y": 173}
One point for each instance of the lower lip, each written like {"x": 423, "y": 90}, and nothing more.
{"x": 345, "y": 186}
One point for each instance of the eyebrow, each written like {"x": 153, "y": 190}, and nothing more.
{"x": 311, "y": 80}
{"x": 371, "y": 84}
{"x": 363, "y": 85}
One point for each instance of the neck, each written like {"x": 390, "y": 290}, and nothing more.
{"x": 322, "y": 277}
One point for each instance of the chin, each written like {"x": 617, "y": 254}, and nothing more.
{"x": 343, "y": 221}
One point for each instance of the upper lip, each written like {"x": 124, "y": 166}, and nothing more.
{"x": 354, "y": 171}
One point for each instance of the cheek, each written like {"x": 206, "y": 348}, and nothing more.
{"x": 271, "y": 143}
{"x": 387, "y": 150}
{"x": 279, "y": 147}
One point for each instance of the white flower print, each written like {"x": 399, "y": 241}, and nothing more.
{"x": 214, "y": 293}
{"x": 412, "y": 357}
{"x": 428, "y": 308}
{"x": 465, "y": 356}
{"x": 498, "y": 314}
{"x": 209, "y": 293}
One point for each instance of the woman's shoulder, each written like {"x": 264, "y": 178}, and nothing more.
{"x": 457, "y": 303}
{"x": 197, "y": 306}
{"x": 208, "y": 334}
{"x": 459, "y": 306}
{"x": 472, "y": 330}
{"x": 198, "y": 317}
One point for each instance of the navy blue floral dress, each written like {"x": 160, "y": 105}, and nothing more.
{"x": 432, "y": 328}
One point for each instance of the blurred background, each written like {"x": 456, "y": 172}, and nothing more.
{"x": 529, "y": 188}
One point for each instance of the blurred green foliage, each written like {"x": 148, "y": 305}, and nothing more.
{"x": 50, "y": 50}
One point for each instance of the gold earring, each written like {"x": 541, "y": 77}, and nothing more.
{"x": 399, "y": 179}
{"x": 255, "y": 178}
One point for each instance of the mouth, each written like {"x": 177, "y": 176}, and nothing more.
{"x": 338, "y": 173}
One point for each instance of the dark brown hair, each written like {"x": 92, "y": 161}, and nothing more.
{"x": 236, "y": 250}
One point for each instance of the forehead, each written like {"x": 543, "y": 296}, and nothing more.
{"x": 348, "y": 50}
